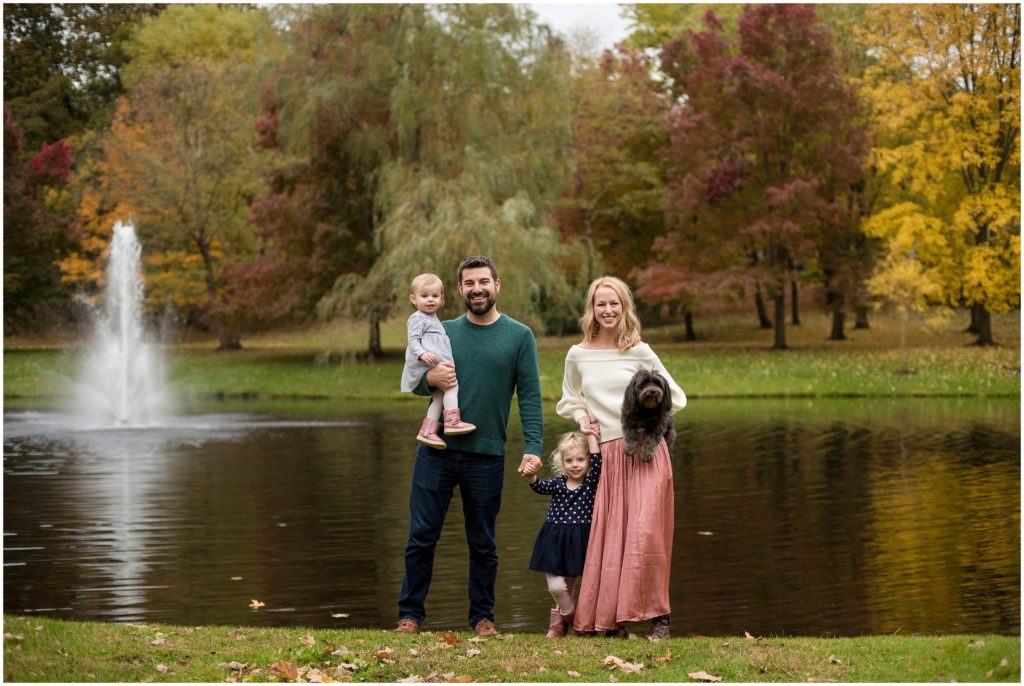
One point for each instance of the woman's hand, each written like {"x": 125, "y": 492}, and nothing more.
{"x": 589, "y": 425}
{"x": 442, "y": 376}
{"x": 428, "y": 358}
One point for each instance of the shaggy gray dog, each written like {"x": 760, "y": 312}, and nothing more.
{"x": 647, "y": 414}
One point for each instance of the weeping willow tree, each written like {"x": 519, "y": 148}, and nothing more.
{"x": 455, "y": 123}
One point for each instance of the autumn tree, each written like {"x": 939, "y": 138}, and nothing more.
{"x": 451, "y": 132}
{"x": 945, "y": 94}
{"x": 37, "y": 224}
{"x": 182, "y": 151}
{"x": 761, "y": 153}
{"x": 613, "y": 198}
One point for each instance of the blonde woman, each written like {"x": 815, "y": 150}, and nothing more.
{"x": 629, "y": 554}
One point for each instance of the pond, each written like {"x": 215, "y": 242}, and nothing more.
{"x": 795, "y": 517}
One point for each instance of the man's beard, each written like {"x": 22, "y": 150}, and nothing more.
{"x": 480, "y": 308}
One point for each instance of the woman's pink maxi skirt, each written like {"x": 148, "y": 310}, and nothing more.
{"x": 629, "y": 556}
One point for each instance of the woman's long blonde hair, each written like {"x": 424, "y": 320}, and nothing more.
{"x": 571, "y": 442}
{"x": 629, "y": 324}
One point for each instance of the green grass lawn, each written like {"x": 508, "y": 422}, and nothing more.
{"x": 735, "y": 360}
{"x": 43, "y": 649}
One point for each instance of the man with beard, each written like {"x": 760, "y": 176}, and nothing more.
{"x": 496, "y": 356}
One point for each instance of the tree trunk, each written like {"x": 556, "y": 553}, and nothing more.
{"x": 973, "y": 326}
{"x": 374, "y": 346}
{"x": 984, "y": 326}
{"x": 780, "y": 320}
{"x": 862, "y": 318}
{"x": 762, "y": 311}
{"x": 794, "y": 305}
{"x": 227, "y": 338}
{"x": 838, "y": 321}
{"x": 688, "y": 318}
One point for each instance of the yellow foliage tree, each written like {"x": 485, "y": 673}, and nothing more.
{"x": 945, "y": 94}
{"x": 912, "y": 240}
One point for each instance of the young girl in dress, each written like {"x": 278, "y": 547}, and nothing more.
{"x": 429, "y": 345}
{"x": 561, "y": 545}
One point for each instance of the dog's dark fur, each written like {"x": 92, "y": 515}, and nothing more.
{"x": 647, "y": 414}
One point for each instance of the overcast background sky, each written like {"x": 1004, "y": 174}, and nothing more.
{"x": 602, "y": 18}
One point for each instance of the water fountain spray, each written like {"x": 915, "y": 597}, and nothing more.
{"x": 122, "y": 382}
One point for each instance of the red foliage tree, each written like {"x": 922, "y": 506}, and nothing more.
{"x": 38, "y": 226}
{"x": 763, "y": 153}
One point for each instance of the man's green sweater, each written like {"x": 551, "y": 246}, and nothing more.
{"x": 492, "y": 362}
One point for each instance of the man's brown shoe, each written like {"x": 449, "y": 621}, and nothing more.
{"x": 408, "y": 626}
{"x": 485, "y": 627}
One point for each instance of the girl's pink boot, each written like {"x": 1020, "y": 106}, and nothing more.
{"x": 453, "y": 424}
{"x": 428, "y": 434}
{"x": 558, "y": 626}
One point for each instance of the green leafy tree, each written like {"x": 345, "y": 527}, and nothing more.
{"x": 653, "y": 25}
{"x": 451, "y": 127}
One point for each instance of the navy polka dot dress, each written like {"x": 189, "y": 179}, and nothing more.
{"x": 561, "y": 545}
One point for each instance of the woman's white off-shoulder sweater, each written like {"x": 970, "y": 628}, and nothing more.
{"x": 596, "y": 380}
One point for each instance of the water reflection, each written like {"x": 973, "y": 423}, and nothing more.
{"x": 796, "y": 517}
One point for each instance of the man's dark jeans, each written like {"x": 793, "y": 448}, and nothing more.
{"x": 434, "y": 478}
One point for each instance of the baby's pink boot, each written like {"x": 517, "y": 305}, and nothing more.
{"x": 453, "y": 424}
{"x": 428, "y": 434}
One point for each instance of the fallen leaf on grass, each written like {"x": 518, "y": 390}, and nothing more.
{"x": 478, "y": 639}
{"x": 747, "y": 635}
{"x": 472, "y": 652}
{"x": 664, "y": 658}
{"x": 339, "y": 615}
{"x": 976, "y": 644}
{"x": 315, "y": 676}
{"x": 13, "y": 637}
{"x": 162, "y": 668}
{"x": 284, "y": 669}
{"x": 625, "y": 665}
{"x": 384, "y": 653}
{"x": 256, "y": 604}
{"x": 237, "y": 635}
{"x": 233, "y": 665}
{"x": 460, "y": 679}
{"x": 449, "y": 637}
{"x": 307, "y": 640}
{"x": 573, "y": 673}
{"x": 342, "y": 651}
{"x": 411, "y": 679}
{"x": 346, "y": 667}
{"x": 833, "y": 660}
{"x": 703, "y": 676}
{"x": 414, "y": 652}
{"x": 1002, "y": 663}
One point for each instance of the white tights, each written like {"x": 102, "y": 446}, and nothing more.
{"x": 448, "y": 400}
{"x": 560, "y": 588}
